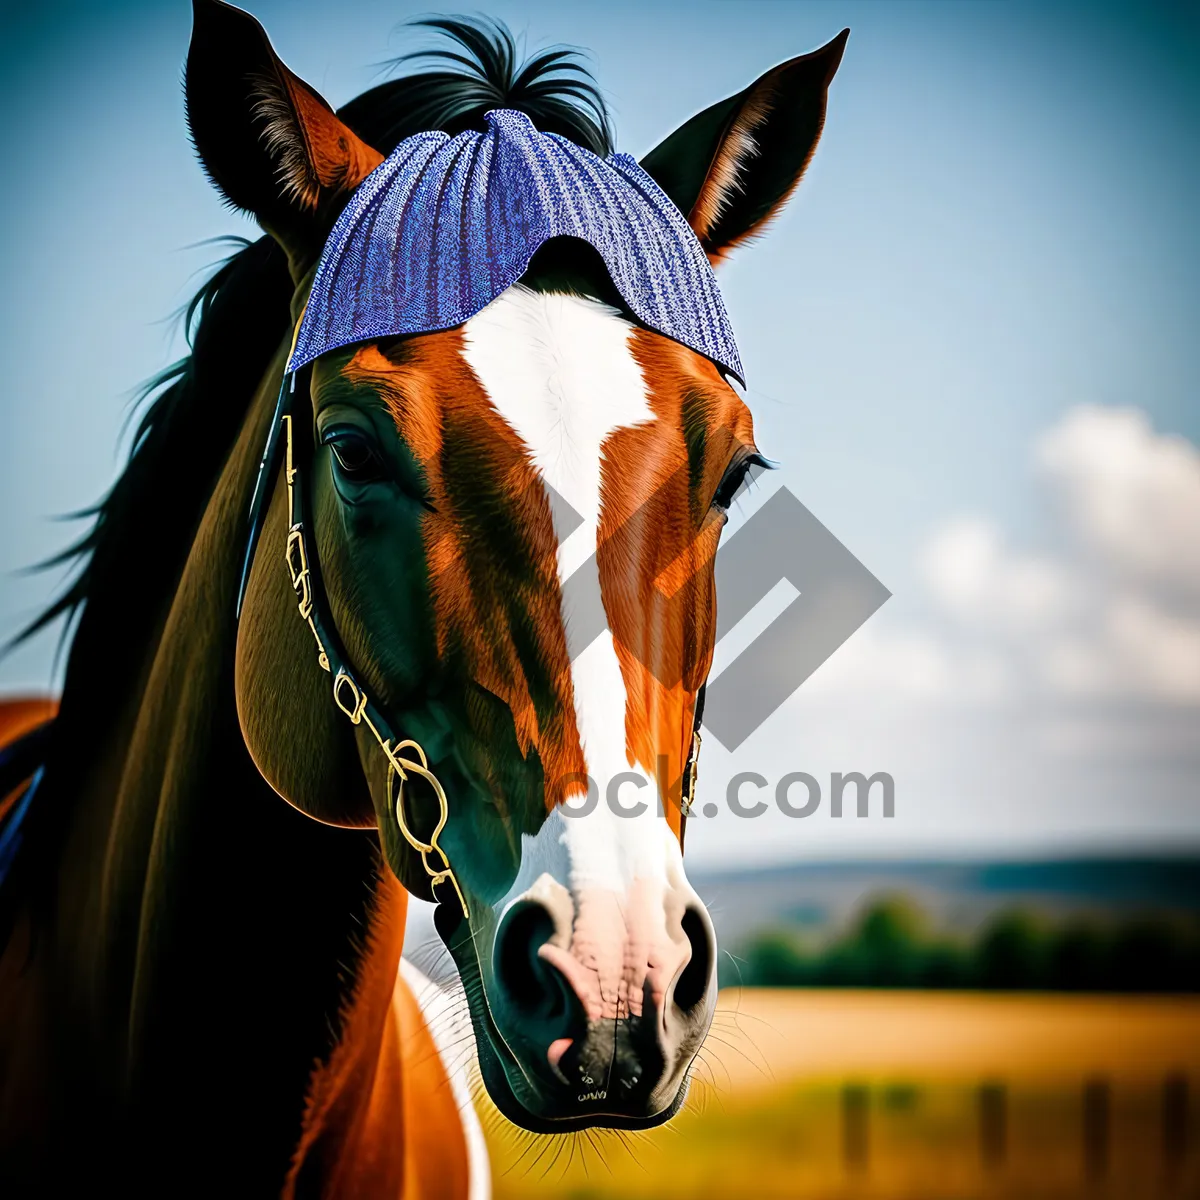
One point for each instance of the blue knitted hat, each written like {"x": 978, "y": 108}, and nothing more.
{"x": 444, "y": 225}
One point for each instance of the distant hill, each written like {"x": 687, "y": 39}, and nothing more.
{"x": 821, "y": 897}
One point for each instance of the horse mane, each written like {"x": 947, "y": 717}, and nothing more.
{"x": 130, "y": 559}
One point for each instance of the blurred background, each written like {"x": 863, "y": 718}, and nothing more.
{"x": 971, "y": 344}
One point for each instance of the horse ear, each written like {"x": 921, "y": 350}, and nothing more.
{"x": 269, "y": 142}
{"x": 731, "y": 168}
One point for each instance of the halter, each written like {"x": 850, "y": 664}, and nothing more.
{"x": 404, "y": 756}
{"x": 304, "y": 570}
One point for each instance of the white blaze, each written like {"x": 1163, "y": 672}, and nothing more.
{"x": 559, "y": 369}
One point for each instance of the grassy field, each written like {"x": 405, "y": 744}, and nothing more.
{"x": 893, "y": 1095}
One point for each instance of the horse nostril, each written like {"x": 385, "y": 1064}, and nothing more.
{"x": 529, "y": 983}
{"x": 692, "y": 985}
{"x": 518, "y": 967}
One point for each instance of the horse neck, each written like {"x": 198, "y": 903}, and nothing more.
{"x": 221, "y": 942}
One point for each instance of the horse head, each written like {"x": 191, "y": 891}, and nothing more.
{"x": 514, "y": 520}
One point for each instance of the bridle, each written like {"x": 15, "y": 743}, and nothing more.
{"x": 404, "y": 756}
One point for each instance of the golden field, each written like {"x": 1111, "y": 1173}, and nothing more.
{"x": 877, "y": 1094}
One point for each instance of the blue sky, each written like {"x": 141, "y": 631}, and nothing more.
{"x": 993, "y": 257}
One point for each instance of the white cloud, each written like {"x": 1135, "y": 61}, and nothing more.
{"x": 1132, "y": 650}
{"x": 884, "y": 661}
{"x": 1114, "y": 615}
{"x": 1158, "y": 651}
{"x": 1133, "y": 495}
{"x": 974, "y": 576}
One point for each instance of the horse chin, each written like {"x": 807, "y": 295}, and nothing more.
{"x": 555, "y": 1123}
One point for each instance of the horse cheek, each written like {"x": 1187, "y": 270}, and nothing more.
{"x": 295, "y": 734}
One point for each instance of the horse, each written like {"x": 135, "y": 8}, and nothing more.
{"x": 203, "y": 916}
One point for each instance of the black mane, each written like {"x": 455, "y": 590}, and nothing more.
{"x": 552, "y": 88}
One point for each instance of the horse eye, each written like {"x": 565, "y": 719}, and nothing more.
{"x": 732, "y": 480}
{"x": 356, "y": 456}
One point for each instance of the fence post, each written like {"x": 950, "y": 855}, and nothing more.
{"x": 854, "y": 1126}
{"x": 993, "y": 1125}
{"x": 1174, "y": 1124}
{"x": 1097, "y": 1121}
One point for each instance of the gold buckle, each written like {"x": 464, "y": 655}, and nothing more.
{"x": 297, "y": 561}
{"x": 398, "y": 772}
{"x": 344, "y": 683}
{"x": 685, "y": 804}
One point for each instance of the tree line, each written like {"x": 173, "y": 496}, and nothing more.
{"x": 891, "y": 944}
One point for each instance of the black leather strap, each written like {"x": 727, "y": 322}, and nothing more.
{"x": 305, "y": 567}
{"x": 268, "y": 471}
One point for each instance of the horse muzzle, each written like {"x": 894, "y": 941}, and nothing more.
{"x": 603, "y": 998}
